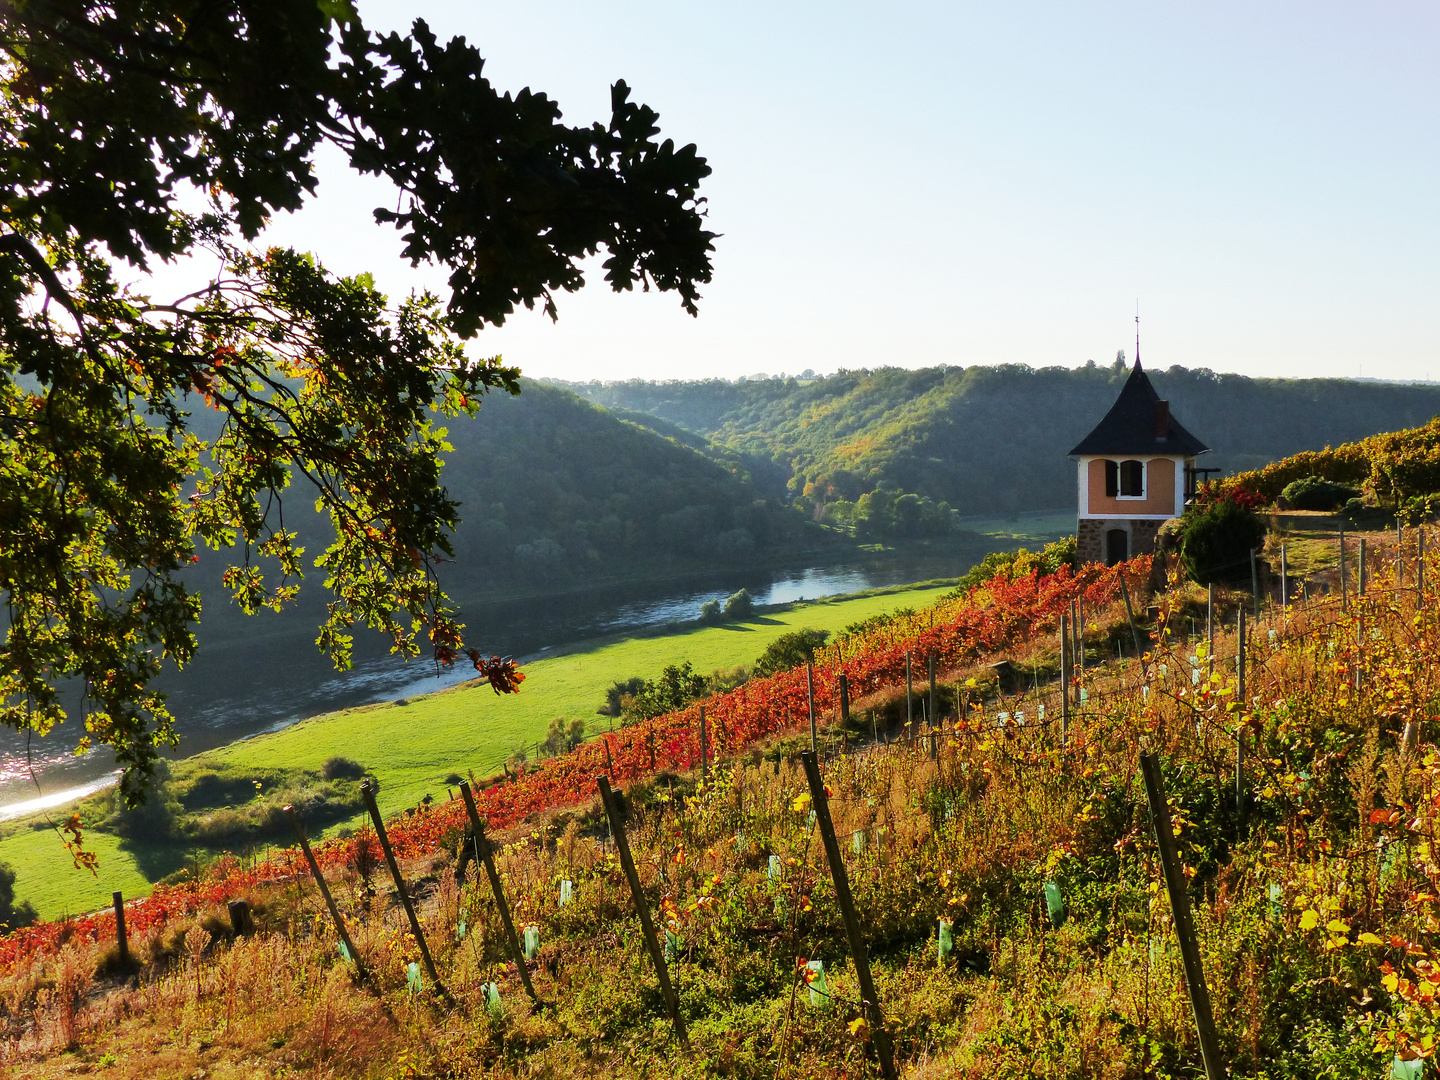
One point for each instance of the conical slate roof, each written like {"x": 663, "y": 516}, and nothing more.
{"x": 1139, "y": 423}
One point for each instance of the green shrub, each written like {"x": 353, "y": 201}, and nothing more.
{"x": 1419, "y": 509}
{"x": 740, "y": 605}
{"x": 1317, "y": 493}
{"x": 1216, "y": 542}
{"x": 342, "y": 768}
{"x": 678, "y": 685}
{"x": 789, "y": 651}
{"x": 563, "y": 735}
{"x": 621, "y": 689}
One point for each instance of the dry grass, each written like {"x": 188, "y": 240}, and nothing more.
{"x": 969, "y": 833}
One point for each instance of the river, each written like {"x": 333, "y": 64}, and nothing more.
{"x": 263, "y": 683}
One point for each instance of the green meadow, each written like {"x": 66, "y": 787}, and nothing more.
{"x": 412, "y": 745}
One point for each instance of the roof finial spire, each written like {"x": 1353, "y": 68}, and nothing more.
{"x": 1137, "y": 333}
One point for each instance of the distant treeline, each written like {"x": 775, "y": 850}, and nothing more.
{"x": 994, "y": 439}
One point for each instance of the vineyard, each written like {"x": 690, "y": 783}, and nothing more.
{"x": 998, "y": 847}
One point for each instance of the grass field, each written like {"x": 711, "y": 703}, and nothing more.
{"x": 412, "y": 745}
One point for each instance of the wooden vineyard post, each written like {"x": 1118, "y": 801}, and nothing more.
{"x": 122, "y": 940}
{"x": 704, "y": 750}
{"x": 240, "y": 919}
{"x": 1255, "y": 584}
{"x": 1284, "y": 579}
{"x": 650, "y": 742}
{"x": 367, "y": 792}
{"x": 1399, "y": 556}
{"x": 1064, "y": 679}
{"x": 487, "y": 859}
{"x": 324, "y": 891}
{"x": 1130, "y": 617}
{"x": 1210, "y": 625}
{"x": 1184, "y": 926}
{"x": 1360, "y": 572}
{"x": 1344, "y": 599}
{"x": 934, "y": 716}
{"x": 1240, "y": 732}
{"x": 870, "y": 1000}
{"x": 909, "y": 704}
{"x": 609, "y": 761}
{"x": 844, "y": 699}
{"x": 647, "y": 925}
{"x": 1420, "y": 567}
{"x": 810, "y": 697}
{"x": 1079, "y": 634}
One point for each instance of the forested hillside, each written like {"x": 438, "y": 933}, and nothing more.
{"x": 552, "y": 488}
{"x": 988, "y": 439}
{"x": 555, "y": 491}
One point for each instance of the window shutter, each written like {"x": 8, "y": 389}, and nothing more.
{"x": 1112, "y": 479}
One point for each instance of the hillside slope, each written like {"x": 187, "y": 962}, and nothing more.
{"x": 988, "y": 439}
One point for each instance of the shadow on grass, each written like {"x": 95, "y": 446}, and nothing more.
{"x": 158, "y": 859}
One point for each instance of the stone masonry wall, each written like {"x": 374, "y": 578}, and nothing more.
{"x": 1090, "y": 536}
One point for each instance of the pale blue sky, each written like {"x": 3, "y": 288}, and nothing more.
{"x": 915, "y": 183}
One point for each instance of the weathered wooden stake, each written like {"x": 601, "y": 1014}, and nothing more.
{"x": 1399, "y": 555}
{"x": 324, "y": 891}
{"x": 1360, "y": 572}
{"x": 240, "y": 920}
{"x": 487, "y": 859}
{"x": 1184, "y": 926}
{"x": 704, "y": 749}
{"x": 367, "y": 792}
{"x": 909, "y": 705}
{"x": 1079, "y": 641}
{"x": 1210, "y": 625}
{"x": 810, "y": 697}
{"x": 1344, "y": 597}
{"x": 933, "y": 716}
{"x": 650, "y": 741}
{"x": 1240, "y": 732}
{"x": 1284, "y": 579}
{"x": 122, "y": 940}
{"x": 1130, "y": 615}
{"x": 870, "y": 1000}
{"x": 609, "y": 761}
{"x": 642, "y": 908}
{"x": 1420, "y": 566}
{"x": 1064, "y": 678}
{"x": 844, "y": 699}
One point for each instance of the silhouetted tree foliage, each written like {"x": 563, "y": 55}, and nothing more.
{"x": 137, "y": 131}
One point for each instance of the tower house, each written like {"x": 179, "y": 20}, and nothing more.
{"x": 1136, "y": 471}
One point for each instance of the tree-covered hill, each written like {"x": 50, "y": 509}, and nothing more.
{"x": 987, "y": 439}
{"x": 555, "y": 491}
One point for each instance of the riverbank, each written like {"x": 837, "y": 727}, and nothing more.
{"x": 413, "y": 744}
